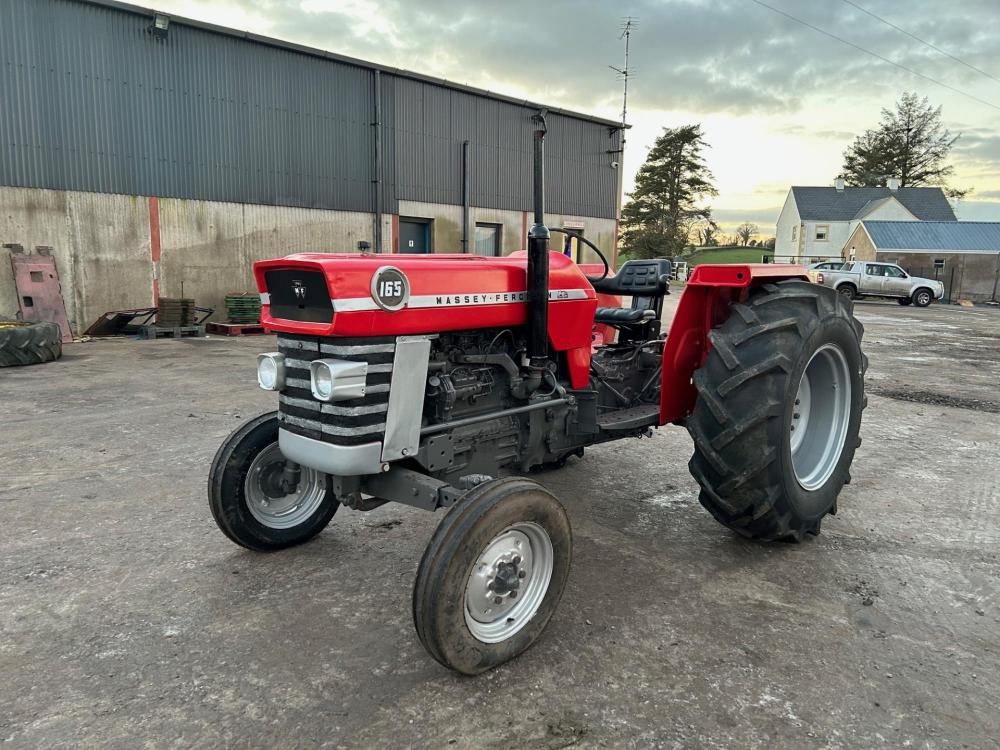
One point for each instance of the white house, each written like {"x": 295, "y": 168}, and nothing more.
{"x": 816, "y": 222}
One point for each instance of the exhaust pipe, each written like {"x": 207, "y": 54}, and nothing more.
{"x": 538, "y": 257}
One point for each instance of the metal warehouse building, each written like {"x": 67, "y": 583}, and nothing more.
{"x": 157, "y": 155}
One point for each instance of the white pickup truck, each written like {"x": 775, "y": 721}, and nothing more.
{"x": 863, "y": 278}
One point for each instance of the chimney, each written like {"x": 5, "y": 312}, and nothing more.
{"x": 892, "y": 183}
{"x": 839, "y": 184}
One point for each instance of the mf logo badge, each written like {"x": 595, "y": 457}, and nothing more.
{"x": 300, "y": 290}
{"x": 390, "y": 288}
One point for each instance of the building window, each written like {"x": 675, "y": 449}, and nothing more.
{"x": 822, "y": 232}
{"x": 488, "y": 239}
{"x": 795, "y": 232}
{"x": 939, "y": 262}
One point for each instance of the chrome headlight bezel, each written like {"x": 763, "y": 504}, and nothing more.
{"x": 347, "y": 379}
{"x": 267, "y": 378}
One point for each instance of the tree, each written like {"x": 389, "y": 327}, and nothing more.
{"x": 910, "y": 144}
{"x": 745, "y": 232}
{"x": 664, "y": 206}
{"x": 769, "y": 243}
{"x": 708, "y": 234}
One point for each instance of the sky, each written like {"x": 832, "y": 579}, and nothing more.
{"x": 778, "y": 101}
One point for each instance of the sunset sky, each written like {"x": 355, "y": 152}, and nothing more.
{"x": 778, "y": 101}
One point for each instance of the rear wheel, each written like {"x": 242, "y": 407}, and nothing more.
{"x": 922, "y": 297}
{"x": 248, "y": 500}
{"x": 847, "y": 291}
{"x": 779, "y": 408}
{"x": 492, "y": 575}
{"x": 903, "y": 300}
{"x": 23, "y": 343}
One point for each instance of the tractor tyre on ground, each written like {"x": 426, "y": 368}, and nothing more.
{"x": 903, "y": 300}
{"x": 492, "y": 575}
{"x": 29, "y": 343}
{"x": 247, "y": 500}
{"x": 922, "y": 297}
{"x": 776, "y": 422}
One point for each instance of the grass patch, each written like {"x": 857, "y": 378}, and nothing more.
{"x": 729, "y": 255}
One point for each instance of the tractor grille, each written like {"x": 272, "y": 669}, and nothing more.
{"x": 358, "y": 420}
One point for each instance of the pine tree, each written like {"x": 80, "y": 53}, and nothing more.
{"x": 910, "y": 144}
{"x": 664, "y": 206}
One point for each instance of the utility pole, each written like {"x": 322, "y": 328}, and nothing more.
{"x": 625, "y": 72}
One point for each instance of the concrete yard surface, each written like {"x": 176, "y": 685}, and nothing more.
{"x": 128, "y": 620}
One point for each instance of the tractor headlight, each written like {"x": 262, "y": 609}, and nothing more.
{"x": 271, "y": 371}
{"x": 337, "y": 379}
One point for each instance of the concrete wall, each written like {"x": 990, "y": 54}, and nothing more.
{"x": 103, "y": 243}
{"x": 209, "y": 248}
{"x": 446, "y": 229}
{"x": 100, "y": 243}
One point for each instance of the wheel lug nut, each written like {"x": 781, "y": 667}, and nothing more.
{"x": 498, "y": 600}
{"x": 522, "y": 573}
{"x": 513, "y": 594}
{"x": 795, "y": 416}
{"x": 489, "y": 585}
{"x": 793, "y": 428}
{"x": 797, "y": 402}
{"x": 516, "y": 560}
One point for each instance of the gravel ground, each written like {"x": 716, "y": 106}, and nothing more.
{"x": 127, "y": 620}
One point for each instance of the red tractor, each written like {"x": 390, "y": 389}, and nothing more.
{"x": 425, "y": 379}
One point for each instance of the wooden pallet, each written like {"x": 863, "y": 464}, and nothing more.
{"x": 236, "y": 329}
{"x": 158, "y": 332}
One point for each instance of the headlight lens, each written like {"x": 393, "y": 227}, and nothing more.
{"x": 271, "y": 371}
{"x": 322, "y": 383}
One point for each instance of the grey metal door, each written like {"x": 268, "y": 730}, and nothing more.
{"x": 414, "y": 236}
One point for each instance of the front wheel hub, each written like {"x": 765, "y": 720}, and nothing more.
{"x": 508, "y": 582}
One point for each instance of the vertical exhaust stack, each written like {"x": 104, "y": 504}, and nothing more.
{"x": 538, "y": 257}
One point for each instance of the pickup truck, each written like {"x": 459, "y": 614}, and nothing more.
{"x": 863, "y": 278}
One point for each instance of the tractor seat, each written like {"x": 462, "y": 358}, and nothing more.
{"x": 619, "y": 315}
{"x": 637, "y": 278}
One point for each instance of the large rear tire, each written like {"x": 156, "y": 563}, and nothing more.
{"x": 29, "y": 343}
{"x": 492, "y": 575}
{"x": 779, "y": 408}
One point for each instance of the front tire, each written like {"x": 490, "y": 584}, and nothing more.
{"x": 922, "y": 297}
{"x": 492, "y": 575}
{"x": 246, "y": 501}
{"x": 779, "y": 408}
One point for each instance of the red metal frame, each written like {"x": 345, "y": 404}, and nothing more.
{"x": 704, "y": 304}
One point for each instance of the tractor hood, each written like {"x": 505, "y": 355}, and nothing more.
{"x": 378, "y": 295}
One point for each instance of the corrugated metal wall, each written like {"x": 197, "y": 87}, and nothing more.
{"x": 90, "y": 101}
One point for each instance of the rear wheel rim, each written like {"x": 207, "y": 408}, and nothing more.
{"x": 520, "y": 559}
{"x": 821, "y": 416}
{"x": 290, "y": 510}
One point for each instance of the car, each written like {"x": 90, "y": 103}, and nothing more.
{"x": 865, "y": 278}
{"x": 829, "y": 265}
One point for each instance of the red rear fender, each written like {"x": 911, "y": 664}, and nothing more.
{"x": 705, "y": 303}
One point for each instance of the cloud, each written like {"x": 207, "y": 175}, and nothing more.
{"x": 723, "y": 56}
{"x": 990, "y": 194}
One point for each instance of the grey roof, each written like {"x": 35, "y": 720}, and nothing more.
{"x": 830, "y": 204}
{"x": 953, "y": 236}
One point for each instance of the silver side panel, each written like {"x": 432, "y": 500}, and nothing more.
{"x": 341, "y": 460}
{"x": 406, "y": 397}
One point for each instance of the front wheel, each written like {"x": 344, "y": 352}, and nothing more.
{"x": 779, "y": 405}
{"x": 922, "y": 297}
{"x": 250, "y": 497}
{"x": 492, "y": 575}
